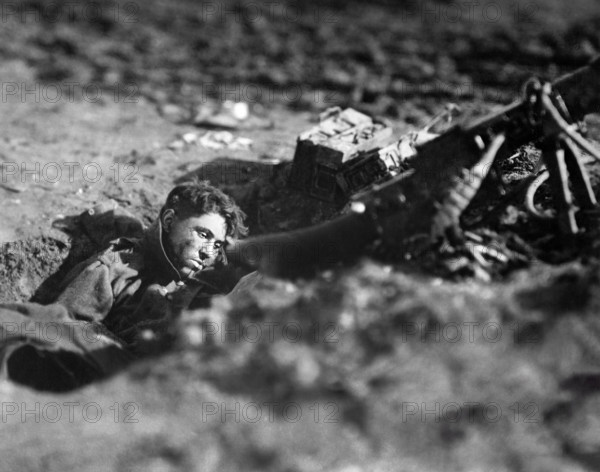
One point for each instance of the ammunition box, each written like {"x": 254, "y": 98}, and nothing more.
{"x": 334, "y": 151}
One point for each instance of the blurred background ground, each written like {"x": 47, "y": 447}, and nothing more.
{"x": 368, "y": 367}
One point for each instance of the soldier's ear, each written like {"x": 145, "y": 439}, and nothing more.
{"x": 167, "y": 219}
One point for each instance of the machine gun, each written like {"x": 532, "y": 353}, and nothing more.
{"x": 426, "y": 203}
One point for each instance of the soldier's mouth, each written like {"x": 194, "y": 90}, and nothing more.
{"x": 197, "y": 264}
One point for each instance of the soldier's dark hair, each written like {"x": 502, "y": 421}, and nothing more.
{"x": 199, "y": 197}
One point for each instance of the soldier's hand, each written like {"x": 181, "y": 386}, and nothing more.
{"x": 221, "y": 280}
{"x": 180, "y": 296}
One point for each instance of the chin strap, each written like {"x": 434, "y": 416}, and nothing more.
{"x": 164, "y": 252}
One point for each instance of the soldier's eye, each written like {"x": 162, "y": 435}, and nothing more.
{"x": 218, "y": 245}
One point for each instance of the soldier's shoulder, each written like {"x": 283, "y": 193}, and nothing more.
{"x": 126, "y": 251}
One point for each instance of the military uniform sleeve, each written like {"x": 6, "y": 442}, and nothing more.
{"x": 88, "y": 295}
{"x": 163, "y": 303}
{"x": 155, "y": 314}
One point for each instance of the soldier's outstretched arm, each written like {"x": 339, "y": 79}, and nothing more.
{"x": 307, "y": 250}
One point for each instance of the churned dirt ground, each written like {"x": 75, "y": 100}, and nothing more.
{"x": 370, "y": 367}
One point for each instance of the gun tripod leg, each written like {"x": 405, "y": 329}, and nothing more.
{"x": 582, "y": 188}
{"x": 553, "y": 155}
{"x": 561, "y": 154}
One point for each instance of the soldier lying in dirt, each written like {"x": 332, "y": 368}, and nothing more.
{"x": 128, "y": 293}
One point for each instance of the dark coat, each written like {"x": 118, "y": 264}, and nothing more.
{"x": 126, "y": 285}
{"x": 106, "y": 302}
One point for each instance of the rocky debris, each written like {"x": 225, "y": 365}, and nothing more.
{"x": 214, "y": 140}
{"x": 224, "y": 140}
{"x": 341, "y": 56}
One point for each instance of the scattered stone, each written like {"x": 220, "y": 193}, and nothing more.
{"x": 175, "y": 113}
{"x": 229, "y": 115}
{"x": 190, "y": 138}
{"x": 177, "y": 145}
{"x": 224, "y": 140}
{"x": 240, "y": 111}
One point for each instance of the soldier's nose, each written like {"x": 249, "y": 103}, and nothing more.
{"x": 204, "y": 253}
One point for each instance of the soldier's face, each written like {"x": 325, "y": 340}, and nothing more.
{"x": 194, "y": 242}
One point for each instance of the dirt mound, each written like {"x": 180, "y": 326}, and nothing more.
{"x": 24, "y": 265}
